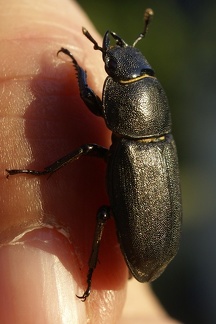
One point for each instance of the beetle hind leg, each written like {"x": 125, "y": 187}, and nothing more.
{"x": 103, "y": 215}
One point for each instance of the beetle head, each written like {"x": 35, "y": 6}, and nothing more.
{"x": 124, "y": 63}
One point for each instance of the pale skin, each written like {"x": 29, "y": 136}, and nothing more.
{"x": 43, "y": 118}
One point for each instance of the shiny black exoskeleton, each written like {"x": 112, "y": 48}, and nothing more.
{"x": 142, "y": 166}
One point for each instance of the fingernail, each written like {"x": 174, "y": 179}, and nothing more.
{"x": 36, "y": 282}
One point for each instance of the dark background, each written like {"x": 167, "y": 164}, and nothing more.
{"x": 181, "y": 48}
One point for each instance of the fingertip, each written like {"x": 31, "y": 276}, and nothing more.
{"x": 40, "y": 276}
{"x": 42, "y": 111}
{"x": 36, "y": 280}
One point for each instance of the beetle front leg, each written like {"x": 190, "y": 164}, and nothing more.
{"x": 87, "y": 149}
{"x": 103, "y": 215}
{"x": 91, "y": 100}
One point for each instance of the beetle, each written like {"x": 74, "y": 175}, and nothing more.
{"x": 142, "y": 165}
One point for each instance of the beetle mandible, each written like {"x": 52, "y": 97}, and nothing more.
{"x": 142, "y": 166}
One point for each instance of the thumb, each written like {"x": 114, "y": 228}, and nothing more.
{"x": 49, "y": 224}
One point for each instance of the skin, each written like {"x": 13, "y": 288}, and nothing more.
{"x": 46, "y": 226}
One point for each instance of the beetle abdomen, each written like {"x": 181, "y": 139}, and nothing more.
{"x": 148, "y": 222}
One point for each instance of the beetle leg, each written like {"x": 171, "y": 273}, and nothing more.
{"x": 103, "y": 215}
{"x": 87, "y": 149}
{"x": 91, "y": 100}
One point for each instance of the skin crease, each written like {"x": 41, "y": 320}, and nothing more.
{"x": 43, "y": 118}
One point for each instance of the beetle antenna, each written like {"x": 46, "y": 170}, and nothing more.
{"x": 89, "y": 36}
{"x": 147, "y": 18}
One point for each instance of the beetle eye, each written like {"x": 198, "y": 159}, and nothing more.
{"x": 147, "y": 71}
{"x": 111, "y": 64}
{"x": 143, "y": 71}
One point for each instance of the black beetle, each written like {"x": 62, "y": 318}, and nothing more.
{"x": 142, "y": 165}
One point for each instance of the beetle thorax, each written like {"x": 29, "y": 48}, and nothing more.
{"x": 136, "y": 109}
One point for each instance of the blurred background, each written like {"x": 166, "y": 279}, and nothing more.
{"x": 181, "y": 48}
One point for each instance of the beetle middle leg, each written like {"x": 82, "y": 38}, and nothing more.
{"x": 87, "y": 149}
{"x": 103, "y": 215}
